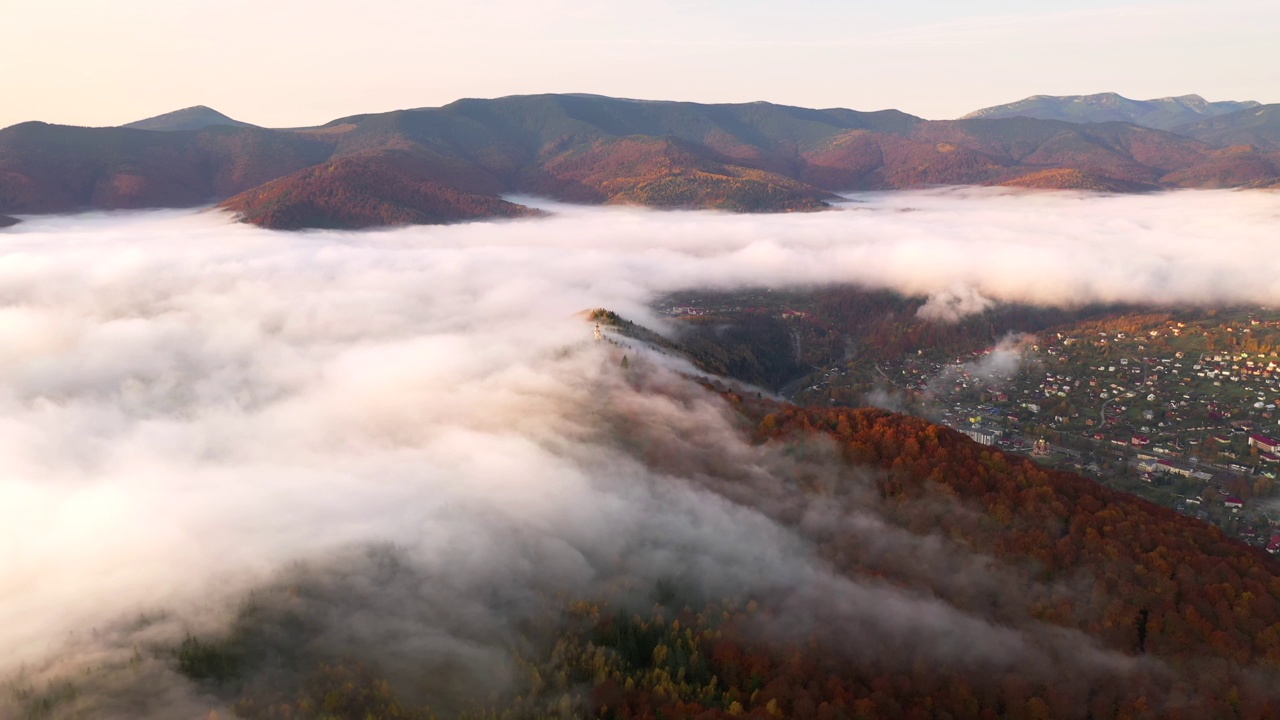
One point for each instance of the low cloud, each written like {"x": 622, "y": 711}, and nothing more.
{"x": 193, "y": 410}
{"x": 953, "y": 304}
{"x": 885, "y": 399}
{"x": 995, "y": 367}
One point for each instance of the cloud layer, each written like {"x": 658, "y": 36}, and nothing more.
{"x": 188, "y": 408}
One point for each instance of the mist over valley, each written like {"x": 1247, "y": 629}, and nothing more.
{"x": 393, "y": 473}
{"x": 667, "y": 361}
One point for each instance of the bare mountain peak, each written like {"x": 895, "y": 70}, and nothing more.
{"x": 1161, "y": 113}
{"x": 196, "y": 117}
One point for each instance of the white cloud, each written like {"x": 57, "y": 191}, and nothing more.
{"x": 187, "y": 406}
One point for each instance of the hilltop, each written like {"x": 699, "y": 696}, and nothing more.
{"x": 198, "y": 117}
{"x": 1071, "y": 179}
{"x": 365, "y": 191}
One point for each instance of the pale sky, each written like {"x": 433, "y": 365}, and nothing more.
{"x": 279, "y": 64}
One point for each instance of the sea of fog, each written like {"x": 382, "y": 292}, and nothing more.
{"x": 190, "y": 407}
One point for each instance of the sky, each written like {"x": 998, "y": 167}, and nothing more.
{"x": 289, "y": 64}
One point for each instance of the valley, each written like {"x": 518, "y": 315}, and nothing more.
{"x": 1178, "y": 406}
{"x": 639, "y": 361}
{"x": 410, "y": 473}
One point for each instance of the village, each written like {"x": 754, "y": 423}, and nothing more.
{"x": 1177, "y": 406}
{"x": 1180, "y": 411}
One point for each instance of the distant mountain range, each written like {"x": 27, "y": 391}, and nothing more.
{"x": 1170, "y": 113}
{"x": 454, "y": 162}
{"x": 1258, "y": 126}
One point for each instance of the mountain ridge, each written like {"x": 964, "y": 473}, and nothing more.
{"x": 741, "y": 157}
{"x": 1166, "y": 113}
{"x": 1258, "y": 127}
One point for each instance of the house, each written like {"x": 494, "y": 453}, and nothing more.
{"x": 981, "y": 436}
{"x": 1233, "y": 503}
{"x": 1264, "y": 443}
{"x": 1168, "y": 466}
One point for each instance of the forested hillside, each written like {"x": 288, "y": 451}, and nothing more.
{"x": 1099, "y": 605}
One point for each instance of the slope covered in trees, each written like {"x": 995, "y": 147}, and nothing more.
{"x": 1095, "y": 604}
{"x": 365, "y": 191}
{"x": 1061, "y": 179}
{"x": 1196, "y": 614}
{"x": 661, "y": 172}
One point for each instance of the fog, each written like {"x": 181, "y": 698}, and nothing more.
{"x": 994, "y": 368}
{"x": 192, "y": 409}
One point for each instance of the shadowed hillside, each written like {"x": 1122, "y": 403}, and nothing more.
{"x": 1258, "y": 127}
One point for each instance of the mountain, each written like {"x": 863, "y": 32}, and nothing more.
{"x": 6, "y": 221}
{"x": 1256, "y": 126}
{"x": 1119, "y": 151}
{"x": 746, "y": 157}
{"x": 52, "y": 168}
{"x": 1236, "y": 166}
{"x": 192, "y": 118}
{"x": 1161, "y": 113}
{"x": 365, "y": 191}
